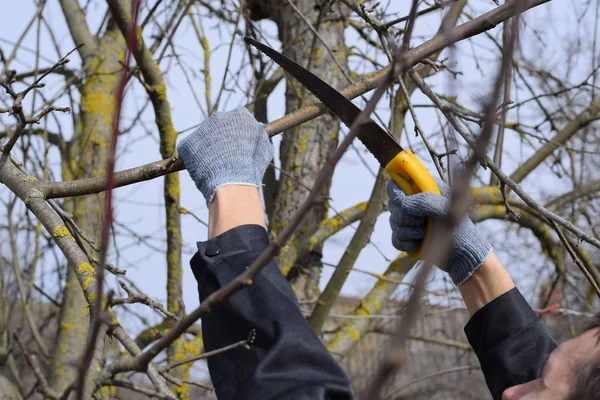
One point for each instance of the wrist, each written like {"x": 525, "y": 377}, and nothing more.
{"x": 232, "y": 206}
{"x": 488, "y": 282}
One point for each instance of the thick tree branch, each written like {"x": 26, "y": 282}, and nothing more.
{"x": 589, "y": 115}
{"x": 357, "y": 243}
{"x": 368, "y": 82}
{"x": 157, "y": 91}
{"x": 352, "y": 331}
{"x": 578, "y": 193}
{"x": 79, "y": 29}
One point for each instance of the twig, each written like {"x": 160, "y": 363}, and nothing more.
{"x": 185, "y": 211}
{"x": 503, "y": 107}
{"x": 438, "y": 248}
{"x": 157, "y": 380}
{"x": 515, "y": 187}
{"x": 68, "y": 218}
{"x": 246, "y": 278}
{"x": 419, "y": 130}
{"x": 38, "y": 118}
{"x": 593, "y": 283}
{"x": 436, "y": 6}
{"x": 215, "y": 106}
{"x": 136, "y": 388}
{"x": 430, "y": 376}
{"x": 242, "y": 343}
{"x": 412, "y": 18}
{"x": 18, "y": 98}
{"x": 510, "y": 213}
{"x": 143, "y": 299}
{"x": 43, "y": 386}
{"x": 114, "y": 270}
{"x": 14, "y": 263}
{"x": 365, "y": 84}
{"x": 180, "y": 382}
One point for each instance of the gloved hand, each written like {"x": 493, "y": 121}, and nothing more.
{"x": 409, "y": 218}
{"x": 230, "y": 148}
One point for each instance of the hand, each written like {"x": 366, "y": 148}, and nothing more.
{"x": 409, "y": 219}
{"x": 230, "y": 148}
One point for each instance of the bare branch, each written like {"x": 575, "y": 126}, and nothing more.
{"x": 242, "y": 343}
{"x": 79, "y": 28}
{"x": 43, "y": 386}
{"x": 365, "y": 84}
{"x": 141, "y": 298}
{"x": 589, "y": 115}
{"x": 460, "y": 128}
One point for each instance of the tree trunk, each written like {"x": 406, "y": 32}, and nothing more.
{"x": 86, "y": 156}
{"x": 305, "y": 149}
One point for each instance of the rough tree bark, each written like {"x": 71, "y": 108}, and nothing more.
{"x": 304, "y": 149}
{"x": 85, "y": 155}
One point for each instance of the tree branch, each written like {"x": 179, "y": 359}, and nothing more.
{"x": 368, "y": 82}
{"x": 357, "y": 243}
{"x": 242, "y": 343}
{"x": 463, "y": 131}
{"x": 79, "y": 29}
{"x": 589, "y": 115}
{"x": 43, "y": 386}
{"x": 350, "y": 333}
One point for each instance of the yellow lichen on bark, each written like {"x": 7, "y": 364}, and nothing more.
{"x": 60, "y": 231}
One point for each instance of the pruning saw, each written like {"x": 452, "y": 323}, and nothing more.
{"x": 401, "y": 164}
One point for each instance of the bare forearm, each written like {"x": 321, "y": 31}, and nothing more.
{"x": 234, "y": 205}
{"x": 490, "y": 281}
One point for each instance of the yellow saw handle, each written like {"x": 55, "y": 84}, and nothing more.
{"x": 407, "y": 171}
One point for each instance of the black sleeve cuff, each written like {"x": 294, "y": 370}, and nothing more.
{"x": 510, "y": 341}
{"x": 498, "y": 320}
{"x": 226, "y": 256}
{"x": 236, "y": 240}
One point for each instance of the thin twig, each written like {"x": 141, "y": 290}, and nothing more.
{"x": 143, "y": 299}
{"x": 419, "y": 130}
{"x": 593, "y": 283}
{"x": 18, "y": 98}
{"x": 246, "y": 278}
{"x": 242, "y": 343}
{"x": 438, "y": 248}
{"x": 43, "y": 386}
{"x": 365, "y": 84}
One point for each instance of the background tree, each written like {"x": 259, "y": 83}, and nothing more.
{"x": 60, "y": 315}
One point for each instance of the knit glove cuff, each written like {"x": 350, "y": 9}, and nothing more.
{"x": 469, "y": 251}
{"x": 230, "y": 148}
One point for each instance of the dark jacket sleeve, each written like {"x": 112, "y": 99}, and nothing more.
{"x": 510, "y": 341}
{"x": 287, "y": 360}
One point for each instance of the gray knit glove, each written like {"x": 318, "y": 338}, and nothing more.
{"x": 230, "y": 148}
{"x": 408, "y": 220}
